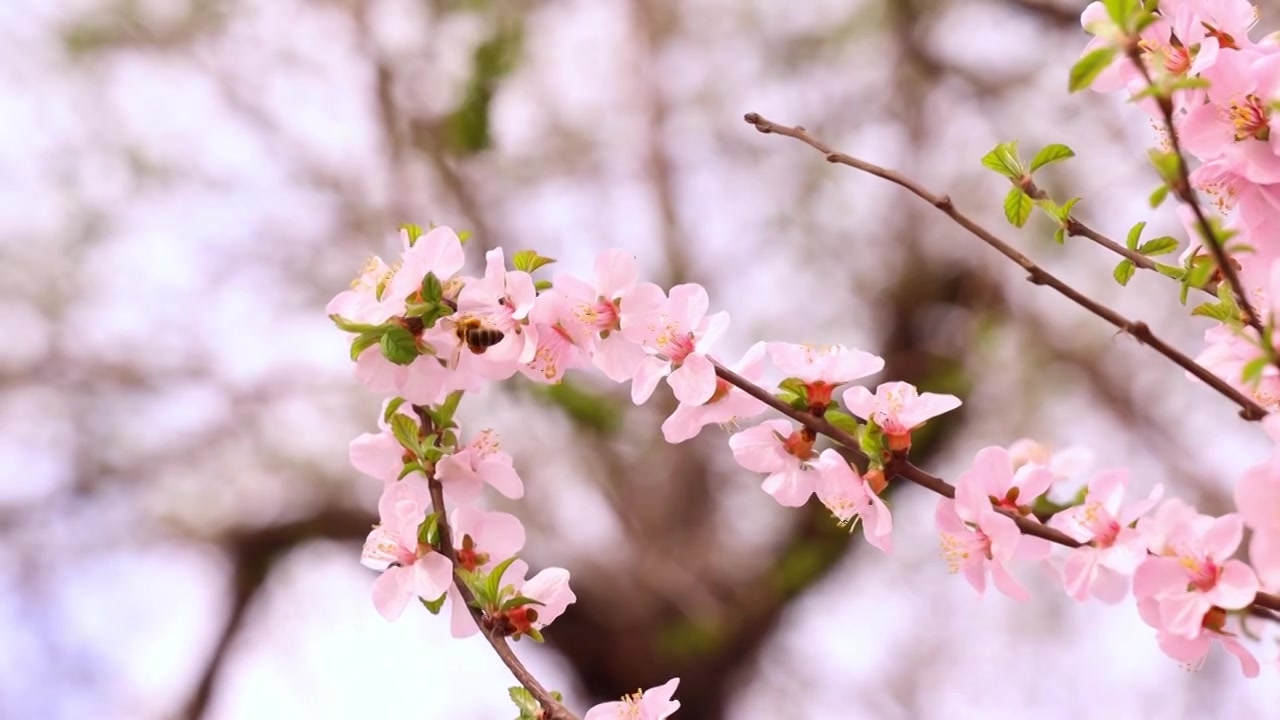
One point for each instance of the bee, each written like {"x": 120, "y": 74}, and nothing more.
{"x": 477, "y": 336}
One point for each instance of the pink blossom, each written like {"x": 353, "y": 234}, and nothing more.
{"x": 652, "y": 704}
{"x": 482, "y": 460}
{"x": 975, "y": 538}
{"x": 410, "y": 568}
{"x": 676, "y": 332}
{"x": 897, "y": 408}
{"x": 1062, "y": 464}
{"x": 830, "y": 365}
{"x": 1115, "y": 549}
{"x": 727, "y": 405}
{"x": 1192, "y": 571}
{"x": 554, "y": 348}
{"x": 483, "y": 539}
{"x": 378, "y": 455}
{"x": 850, "y": 498}
{"x": 381, "y": 292}
{"x": 1257, "y": 497}
{"x": 1193, "y": 650}
{"x": 502, "y": 299}
{"x": 773, "y": 447}
{"x": 592, "y": 315}
{"x": 1237, "y": 123}
{"x": 992, "y": 480}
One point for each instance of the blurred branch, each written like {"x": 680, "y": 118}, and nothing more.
{"x": 253, "y": 553}
{"x": 1049, "y": 10}
{"x": 1036, "y": 275}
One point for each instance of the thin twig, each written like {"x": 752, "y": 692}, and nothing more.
{"x": 1187, "y": 194}
{"x": 900, "y": 467}
{"x": 552, "y": 710}
{"x": 1075, "y": 228}
{"x": 1036, "y": 275}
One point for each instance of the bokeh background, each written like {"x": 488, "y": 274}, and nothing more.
{"x": 185, "y": 183}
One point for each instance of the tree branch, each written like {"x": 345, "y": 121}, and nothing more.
{"x": 1036, "y": 275}
{"x": 552, "y": 710}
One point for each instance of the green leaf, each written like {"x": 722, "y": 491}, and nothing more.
{"x": 429, "y": 529}
{"x": 529, "y": 260}
{"x": 355, "y": 327}
{"x": 796, "y": 388}
{"x": 1201, "y": 270}
{"x": 1252, "y": 371}
{"x": 1004, "y": 160}
{"x": 1060, "y": 236}
{"x": 1172, "y": 271}
{"x": 542, "y": 285}
{"x": 409, "y": 469}
{"x": 433, "y": 606}
{"x": 463, "y": 237}
{"x": 1050, "y": 154}
{"x": 399, "y": 345}
{"x": 843, "y": 421}
{"x": 1220, "y": 311}
{"x": 1018, "y": 206}
{"x": 1158, "y": 196}
{"x": 1166, "y": 164}
{"x": 535, "y": 635}
{"x": 1087, "y": 68}
{"x": 1160, "y": 246}
{"x": 444, "y": 415}
{"x": 392, "y": 406}
{"x": 1064, "y": 210}
{"x": 1123, "y": 272}
{"x": 525, "y": 703}
{"x": 412, "y": 231}
{"x": 1122, "y": 12}
{"x": 365, "y": 341}
{"x": 406, "y": 431}
{"x": 1135, "y": 234}
{"x": 432, "y": 290}
{"x": 519, "y": 601}
{"x": 494, "y": 582}
{"x": 871, "y": 440}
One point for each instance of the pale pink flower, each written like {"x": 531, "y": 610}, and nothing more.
{"x": 592, "y": 315}
{"x": 555, "y": 350}
{"x": 1062, "y": 464}
{"x": 1192, "y": 651}
{"x": 502, "y": 299}
{"x": 381, "y": 292}
{"x": 727, "y": 405}
{"x": 481, "y": 541}
{"x": 378, "y": 455}
{"x": 652, "y": 704}
{"x": 1192, "y": 571}
{"x": 1258, "y": 499}
{"x": 773, "y": 447}
{"x": 482, "y": 460}
{"x": 827, "y": 364}
{"x": 1237, "y": 124}
{"x": 851, "y": 499}
{"x": 676, "y": 332}
{"x": 975, "y": 538}
{"x": 1102, "y": 567}
{"x": 897, "y": 408}
{"x": 410, "y": 569}
{"x": 992, "y": 480}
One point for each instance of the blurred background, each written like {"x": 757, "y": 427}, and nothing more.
{"x": 186, "y": 183}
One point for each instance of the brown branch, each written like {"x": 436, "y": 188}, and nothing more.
{"x": 1036, "y": 275}
{"x": 1187, "y": 194}
{"x": 552, "y": 710}
{"x": 900, "y": 467}
{"x": 1075, "y": 228}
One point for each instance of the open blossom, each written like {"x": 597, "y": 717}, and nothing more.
{"x": 382, "y": 292}
{"x": 652, "y": 704}
{"x": 480, "y": 461}
{"x": 1258, "y": 499}
{"x": 1193, "y": 650}
{"x": 1062, "y": 464}
{"x": 823, "y": 368}
{"x": 676, "y": 332}
{"x": 1238, "y": 124}
{"x": 992, "y": 479}
{"x": 1102, "y": 567}
{"x": 897, "y": 408}
{"x": 1192, "y": 571}
{"x": 410, "y": 568}
{"x": 774, "y": 447}
{"x": 592, "y": 316}
{"x": 977, "y": 540}
{"x": 727, "y": 405}
{"x": 502, "y": 299}
{"x": 554, "y": 348}
{"x": 850, "y": 497}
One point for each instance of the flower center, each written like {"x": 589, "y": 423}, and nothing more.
{"x": 1204, "y": 573}
{"x": 721, "y": 392}
{"x": 799, "y": 444}
{"x": 1100, "y": 524}
{"x": 1251, "y": 119}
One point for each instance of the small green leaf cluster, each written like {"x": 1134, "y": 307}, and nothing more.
{"x": 1024, "y": 196}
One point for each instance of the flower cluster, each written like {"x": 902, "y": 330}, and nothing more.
{"x": 1223, "y": 90}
